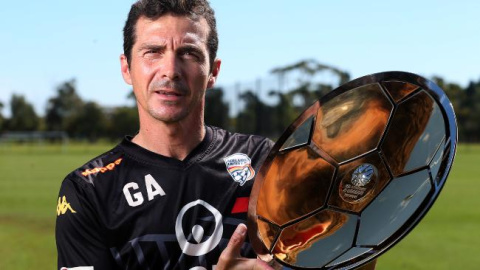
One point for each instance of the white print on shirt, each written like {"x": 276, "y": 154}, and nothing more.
{"x": 199, "y": 248}
{"x": 152, "y": 188}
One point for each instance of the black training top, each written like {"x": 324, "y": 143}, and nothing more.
{"x": 134, "y": 209}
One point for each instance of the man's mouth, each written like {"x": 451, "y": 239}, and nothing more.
{"x": 168, "y": 93}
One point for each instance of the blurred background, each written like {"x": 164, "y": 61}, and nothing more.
{"x": 63, "y": 100}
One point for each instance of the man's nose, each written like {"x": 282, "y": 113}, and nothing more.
{"x": 170, "y": 67}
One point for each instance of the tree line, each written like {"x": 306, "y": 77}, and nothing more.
{"x": 87, "y": 120}
{"x": 66, "y": 111}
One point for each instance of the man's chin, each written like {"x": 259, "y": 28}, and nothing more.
{"x": 169, "y": 118}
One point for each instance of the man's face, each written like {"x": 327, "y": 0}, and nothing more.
{"x": 169, "y": 68}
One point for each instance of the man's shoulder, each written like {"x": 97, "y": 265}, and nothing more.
{"x": 228, "y": 136}
{"x": 232, "y": 145}
{"x": 97, "y": 167}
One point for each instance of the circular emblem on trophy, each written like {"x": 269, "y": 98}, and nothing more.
{"x": 362, "y": 175}
{"x": 355, "y": 186}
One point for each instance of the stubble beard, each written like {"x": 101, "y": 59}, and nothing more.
{"x": 162, "y": 114}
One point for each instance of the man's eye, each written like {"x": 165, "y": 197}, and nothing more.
{"x": 151, "y": 52}
{"x": 191, "y": 55}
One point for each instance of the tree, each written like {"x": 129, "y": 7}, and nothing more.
{"x": 306, "y": 70}
{"x": 2, "y": 119}
{"x": 62, "y": 108}
{"x": 90, "y": 122}
{"x": 308, "y": 88}
{"x": 123, "y": 121}
{"x": 469, "y": 113}
{"x": 131, "y": 96}
{"x": 256, "y": 118}
{"x": 455, "y": 93}
{"x": 283, "y": 113}
{"x": 216, "y": 109}
{"x": 466, "y": 104}
{"x": 23, "y": 116}
{"x": 457, "y": 96}
{"x": 246, "y": 118}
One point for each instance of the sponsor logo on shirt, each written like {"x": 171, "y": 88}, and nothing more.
{"x": 199, "y": 245}
{"x": 108, "y": 167}
{"x": 63, "y": 206}
{"x": 239, "y": 166}
{"x": 78, "y": 268}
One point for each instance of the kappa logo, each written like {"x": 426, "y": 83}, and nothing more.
{"x": 239, "y": 166}
{"x": 63, "y": 206}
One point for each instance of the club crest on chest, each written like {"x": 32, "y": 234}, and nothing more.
{"x": 239, "y": 166}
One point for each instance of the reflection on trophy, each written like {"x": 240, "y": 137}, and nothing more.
{"x": 354, "y": 172}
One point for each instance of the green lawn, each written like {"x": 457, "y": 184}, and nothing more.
{"x": 29, "y": 184}
{"x": 447, "y": 238}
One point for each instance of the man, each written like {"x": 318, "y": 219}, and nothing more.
{"x": 172, "y": 196}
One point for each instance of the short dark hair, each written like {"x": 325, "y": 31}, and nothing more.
{"x": 154, "y": 9}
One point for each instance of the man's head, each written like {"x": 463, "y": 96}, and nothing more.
{"x": 169, "y": 59}
{"x": 153, "y": 9}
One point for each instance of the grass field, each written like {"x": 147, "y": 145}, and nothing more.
{"x": 447, "y": 238}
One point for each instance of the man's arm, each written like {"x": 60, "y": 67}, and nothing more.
{"x": 79, "y": 237}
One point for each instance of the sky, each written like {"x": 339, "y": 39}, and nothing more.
{"x": 45, "y": 43}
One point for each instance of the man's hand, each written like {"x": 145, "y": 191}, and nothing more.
{"x": 231, "y": 258}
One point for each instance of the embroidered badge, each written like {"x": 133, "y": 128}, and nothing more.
{"x": 239, "y": 166}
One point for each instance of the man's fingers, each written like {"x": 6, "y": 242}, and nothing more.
{"x": 236, "y": 241}
{"x": 232, "y": 260}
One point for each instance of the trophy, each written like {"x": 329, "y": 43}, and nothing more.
{"x": 354, "y": 174}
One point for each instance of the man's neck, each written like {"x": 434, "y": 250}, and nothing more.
{"x": 175, "y": 140}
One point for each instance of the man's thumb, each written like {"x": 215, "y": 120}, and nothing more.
{"x": 236, "y": 241}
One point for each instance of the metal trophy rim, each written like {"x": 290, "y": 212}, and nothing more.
{"x": 451, "y": 137}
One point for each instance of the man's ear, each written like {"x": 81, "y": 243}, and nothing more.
{"x": 214, "y": 74}
{"x": 125, "y": 69}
